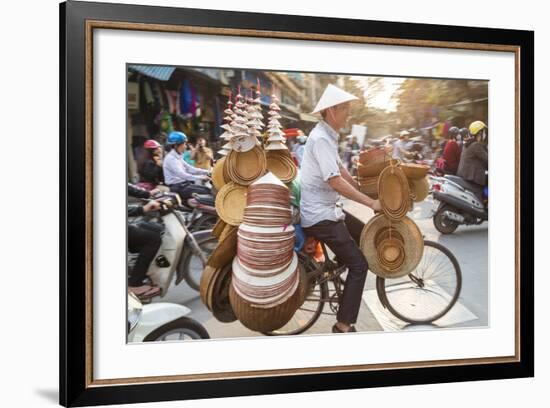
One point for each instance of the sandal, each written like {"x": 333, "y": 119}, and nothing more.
{"x": 144, "y": 291}
{"x": 336, "y": 329}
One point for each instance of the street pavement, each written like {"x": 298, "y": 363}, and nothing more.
{"x": 469, "y": 244}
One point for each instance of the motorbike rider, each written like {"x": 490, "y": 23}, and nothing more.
{"x": 142, "y": 240}
{"x": 150, "y": 171}
{"x": 451, "y": 152}
{"x": 474, "y": 160}
{"x": 300, "y": 148}
{"x": 179, "y": 175}
{"x": 463, "y": 134}
{"x": 400, "y": 146}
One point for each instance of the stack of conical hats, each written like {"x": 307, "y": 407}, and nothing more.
{"x": 255, "y": 224}
{"x": 227, "y": 134}
{"x": 264, "y": 292}
{"x": 278, "y": 157}
{"x": 246, "y": 162}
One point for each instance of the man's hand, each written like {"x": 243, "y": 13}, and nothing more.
{"x": 154, "y": 192}
{"x": 151, "y": 206}
{"x": 376, "y": 206}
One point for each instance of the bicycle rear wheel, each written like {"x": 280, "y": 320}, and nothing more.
{"x": 309, "y": 312}
{"x": 428, "y": 292}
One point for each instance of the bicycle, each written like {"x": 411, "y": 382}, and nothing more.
{"x": 402, "y": 296}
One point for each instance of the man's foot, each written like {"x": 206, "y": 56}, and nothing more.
{"x": 343, "y": 328}
{"x": 144, "y": 292}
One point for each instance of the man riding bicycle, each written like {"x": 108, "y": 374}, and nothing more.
{"x": 323, "y": 180}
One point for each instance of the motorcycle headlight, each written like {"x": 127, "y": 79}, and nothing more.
{"x": 134, "y": 311}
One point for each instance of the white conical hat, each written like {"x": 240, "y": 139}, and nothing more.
{"x": 333, "y": 96}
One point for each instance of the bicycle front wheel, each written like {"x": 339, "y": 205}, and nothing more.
{"x": 310, "y": 311}
{"x": 428, "y": 292}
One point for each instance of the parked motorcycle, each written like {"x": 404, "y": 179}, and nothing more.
{"x": 456, "y": 204}
{"x": 161, "y": 322}
{"x": 177, "y": 246}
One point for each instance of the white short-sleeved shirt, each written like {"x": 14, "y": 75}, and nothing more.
{"x": 319, "y": 201}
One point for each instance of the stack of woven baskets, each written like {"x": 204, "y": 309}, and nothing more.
{"x": 392, "y": 242}
{"x": 373, "y": 161}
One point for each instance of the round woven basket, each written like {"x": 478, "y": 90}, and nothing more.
{"x": 218, "y": 178}
{"x": 230, "y": 203}
{"x": 265, "y": 319}
{"x": 420, "y": 188}
{"x": 380, "y": 229}
{"x": 207, "y": 279}
{"x": 393, "y": 193}
{"x": 415, "y": 171}
{"x": 281, "y": 165}
{"x": 221, "y": 307}
{"x": 225, "y": 250}
{"x": 375, "y": 155}
{"x": 374, "y": 169}
{"x": 246, "y": 167}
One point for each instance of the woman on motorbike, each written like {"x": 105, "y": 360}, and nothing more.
{"x": 146, "y": 242}
{"x": 179, "y": 175}
{"x": 451, "y": 152}
{"x": 150, "y": 171}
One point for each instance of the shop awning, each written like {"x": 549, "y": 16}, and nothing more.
{"x": 158, "y": 72}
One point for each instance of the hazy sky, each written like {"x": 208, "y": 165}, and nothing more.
{"x": 381, "y": 98}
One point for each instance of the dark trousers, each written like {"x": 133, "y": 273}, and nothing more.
{"x": 147, "y": 243}
{"x": 337, "y": 237}
{"x": 186, "y": 190}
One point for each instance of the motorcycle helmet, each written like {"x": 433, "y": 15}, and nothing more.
{"x": 464, "y": 133}
{"x": 151, "y": 144}
{"x": 176, "y": 138}
{"x": 301, "y": 139}
{"x": 453, "y": 132}
{"x": 476, "y": 127}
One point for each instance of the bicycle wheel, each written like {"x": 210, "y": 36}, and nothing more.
{"x": 428, "y": 292}
{"x": 309, "y": 312}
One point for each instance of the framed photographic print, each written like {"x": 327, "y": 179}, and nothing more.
{"x": 257, "y": 204}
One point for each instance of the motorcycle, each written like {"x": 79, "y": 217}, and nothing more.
{"x": 202, "y": 212}
{"x": 161, "y": 322}
{"x": 178, "y": 245}
{"x": 455, "y": 203}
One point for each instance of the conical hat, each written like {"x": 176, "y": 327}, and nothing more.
{"x": 333, "y": 96}
{"x": 276, "y": 146}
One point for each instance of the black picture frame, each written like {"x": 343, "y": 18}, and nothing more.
{"x": 76, "y": 386}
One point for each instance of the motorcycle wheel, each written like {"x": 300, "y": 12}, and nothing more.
{"x": 180, "y": 329}
{"x": 191, "y": 264}
{"x": 441, "y": 223}
{"x": 204, "y": 222}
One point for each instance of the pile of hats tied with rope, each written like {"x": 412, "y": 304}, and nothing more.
{"x": 391, "y": 241}
{"x": 253, "y": 274}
